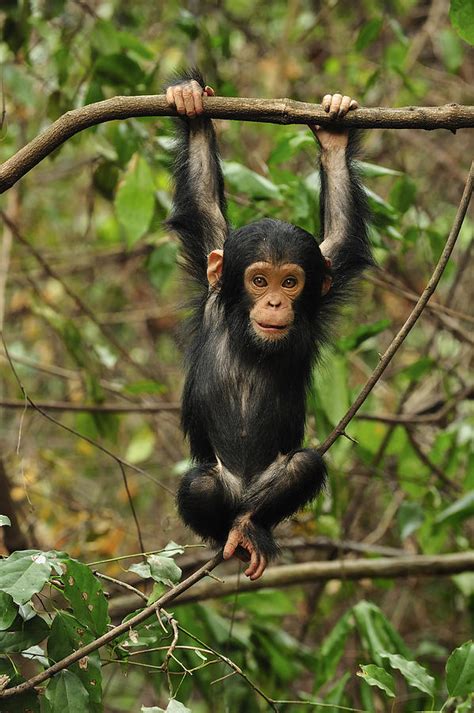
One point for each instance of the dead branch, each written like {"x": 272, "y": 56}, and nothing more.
{"x": 273, "y": 111}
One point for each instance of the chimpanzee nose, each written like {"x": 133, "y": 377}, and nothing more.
{"x": 274, "y": 300}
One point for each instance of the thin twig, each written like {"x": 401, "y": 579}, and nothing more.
{"x": 78, "y": 301}
{"x": 413, "y": 317}
{"x": 73, "y": 431}
{"x": 94, "y": 408}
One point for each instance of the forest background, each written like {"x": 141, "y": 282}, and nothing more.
{"x": 91, "y": 304}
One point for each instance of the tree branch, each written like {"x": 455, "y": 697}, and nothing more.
{"x": 273, "y": 111}
{"x": 412, "y": 318}
{"x": 321, "y": 571}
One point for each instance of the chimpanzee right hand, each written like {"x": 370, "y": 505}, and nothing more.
{"x": 187, "y": 97}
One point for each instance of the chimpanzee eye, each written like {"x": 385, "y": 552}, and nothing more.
{"x": 259, "y": 281}
{"x": 290, "y": 282}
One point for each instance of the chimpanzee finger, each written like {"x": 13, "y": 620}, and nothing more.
{"x": 178, "y": 100}
{"x": 260, "y": 569}
{"x": 254, "y": 562}
{"x": 170, "y": 95}
{"x": 229, "y": 547}
{"x": 335, "y": 104}
{"x": 209, "y": 91}
{"x": 345, "y": 104}
{"x": 326, "y": 102}
{"x": 188, "y": 97}
{"x": 354, "y": 105}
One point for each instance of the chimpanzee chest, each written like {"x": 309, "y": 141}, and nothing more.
{"x": 252, "y": 423}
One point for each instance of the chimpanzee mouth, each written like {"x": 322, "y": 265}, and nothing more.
{"x": 273, "y": 327}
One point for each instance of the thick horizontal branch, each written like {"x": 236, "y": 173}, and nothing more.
{"x": 309, "y": 572}
{"x": 273, "y": 111}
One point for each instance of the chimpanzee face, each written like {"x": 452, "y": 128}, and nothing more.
{"x": 272, "y": 290}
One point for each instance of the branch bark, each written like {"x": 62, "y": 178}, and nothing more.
{"x": 273, "y": 111}
{"x": 310, "y": 572}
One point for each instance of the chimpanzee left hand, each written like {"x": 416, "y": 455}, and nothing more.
{"x": 336, "y": 105}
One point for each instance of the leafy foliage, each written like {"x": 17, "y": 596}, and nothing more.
{"x": 102, "y": 325}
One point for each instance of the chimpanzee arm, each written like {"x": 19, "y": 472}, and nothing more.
{"x": 343, "y": 204}
{"x": 199, "y": 208}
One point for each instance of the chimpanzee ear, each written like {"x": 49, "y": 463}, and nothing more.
{"x": 215, "y": 262}
{"x": 327, "y": 284}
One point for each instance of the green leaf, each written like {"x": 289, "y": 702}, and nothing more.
{"x": 368, "y": 33}
{"x": 145, "y": 386}
{"x": 164, "y": 570}
{"x": 376, "y": 632}
{"x": 460, "y": 670}
{"x": 161, "y": 264}
{"x": 175, "y": 706}
{"x": 141, "y": 446}
{"x": 135, "y": 200}
{"x": 332, "y": 650}
{"x": 68, "y": 635}
{"x": 452, "y": 49}
{"x": 372, "y": 170}
{"x": 140, "y": 568}
{"x": 118, "y": 70}
{"x": 244, "y": 180}
{"x": 414, "y": 674}
{"x": 418, "y": 368}
{"x": 462, "y": 19}
{"x": 25, "y": 573}
{"x": 23, "y": 634}
{"x": 362, "y": 333}
{"x": 410, "y": 517}
{"x": 377, "y": 676}
{"x": 403, "y": 193}
{"x": 458, "y": 511}
{"x": 4, "y": 520}
{"x": 85, "y": 594}
{"x": 65, "y": 692}
{"x": 25, "y": 702}
{"x": 8, "y": 611}
{"x": 172, "y": 549}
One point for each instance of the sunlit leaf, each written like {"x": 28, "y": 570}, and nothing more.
{"x": 460, "y": 670}
{"x": 462, "y": 19}
{"x": 25, "y": 573}
{"x": 135, "y": 200}
{"x": 414, "y": 674}
{"x": 164, "y": 570}
{"x": 244, "y": 180}
{"x": 377, "y": 676}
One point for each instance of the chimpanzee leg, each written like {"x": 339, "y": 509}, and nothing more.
{"x": 285, "y": 486}
{"x": 289, "y": 482}
{"x": 208, "y": 500}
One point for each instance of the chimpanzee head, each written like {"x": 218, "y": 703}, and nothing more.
{"x": 270, "y": 278}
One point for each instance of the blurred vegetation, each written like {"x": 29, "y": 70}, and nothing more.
{"x": 94, "y": 211}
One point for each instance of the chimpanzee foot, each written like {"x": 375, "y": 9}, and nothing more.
{"x": 242, "y": 543}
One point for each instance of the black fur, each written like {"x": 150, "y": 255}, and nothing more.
{"x": 244, "y": 397}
